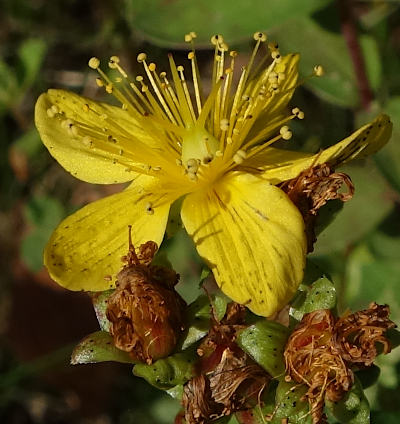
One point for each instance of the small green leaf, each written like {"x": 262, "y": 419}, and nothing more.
{"x": 169, "y": 372}
{"x": 31, "y": 54}
{"x": 98, "y": 347}
{"x": 265, "y": 342}
{"x": 99, "y": 300}
{"x": 290, "y": 404}
{"x": 368, "y": 376}
{"x": 44, "y": 212}
{"x": 199, "y": 318}
{"x": 321, "y": 295}
{"x": 353, "y": 408}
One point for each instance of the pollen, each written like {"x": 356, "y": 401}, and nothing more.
{"x": 318, "y": 71}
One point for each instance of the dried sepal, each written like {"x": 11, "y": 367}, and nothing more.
{"x": 146, "y": 313}
{"x": 312, "y": 189}
{"x": 358, "y": 334}
{"x": 322, "y": 350}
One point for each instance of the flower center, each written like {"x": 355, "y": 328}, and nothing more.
{"x": 198, "y": 146}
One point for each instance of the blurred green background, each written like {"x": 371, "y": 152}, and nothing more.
{"x": 47, "y": 44}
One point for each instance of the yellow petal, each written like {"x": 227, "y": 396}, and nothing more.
{"x": 91, "y": 140}
{"x": 281, "y": 165}
{"x": 252, "y": 237}
{"x": 86, "y": 248}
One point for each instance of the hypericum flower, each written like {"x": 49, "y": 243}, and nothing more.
{"x": 171, "y": 140}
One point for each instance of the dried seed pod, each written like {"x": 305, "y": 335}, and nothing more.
{"x": 312, "y": 189}
{"x": 145, "y": 311}
{"x": 229, "y": 380}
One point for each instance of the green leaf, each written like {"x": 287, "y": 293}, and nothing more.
{"x": 199, "y": 318}
{"x": 166, "y": 23}
{"x": 371, "y": 279}
{"x": 31, "y": 54}
{"x": 338, "y": 84}
{"x": 321, "y": 295}
{"x": 290, "y": 404}
{"x": 169, "y": 372}
{"x": 360, "y": 215}
{"x": 265, "y": 342}
{"x": 368, "y": 376}
{"x": 353, "y": 408}
{"x": 98, "y": 347}
{"x": 99, "y": 300}
{"x": 388, "y": 159}
{"x": 43, "y": 213}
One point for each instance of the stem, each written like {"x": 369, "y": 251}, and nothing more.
{"x": 349, "y": 32}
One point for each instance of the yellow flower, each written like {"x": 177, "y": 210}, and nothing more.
{"x": 213, "y": 150}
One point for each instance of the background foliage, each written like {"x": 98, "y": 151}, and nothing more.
{"x": 47, "y": 44}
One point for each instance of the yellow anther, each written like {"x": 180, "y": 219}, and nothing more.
{"x": 113, "y": 62}
{"x": 87, "y": 141}
{"x": 149, "y": 208}
{"x": 99, "y": 82}
{"x": 141, "y": 57}
{"x": 223, "y": 47}
{"x": 73, "y": 130}
{"x": 275, "y": 54}
{"x": 109, "y": 88}
{"x": 193, "y": 34}
{"x": 207, "y": 159}
{"x": 188, "y": 38}
{"x": 228, "y": 71}
{"x": 139, "y": 78}
{"x": 163, "y": 74}
{"x": 239, "y": 157}
{"x": 233, "y": 53}
{"x": 217, "y": 39}
{"x": 94, "y": 63}
{"x": 191, "y": 55}
{"x": 224, "y": 124}
{"x": 180, "y": 68}
{"x": 55, "y": 109}
{"x": 229, "y": 140}
{"x": 260, "y": 36}
{"x": 285, "y": 132}
{"x": 298, "y": 113}
{"x": 118, "y": 79}
{"x": 318, "y": 71}
{"x": 144, "y": 88}
{"x": 281, "y": 76}
{"x": 192, "y": 165}
{"x": 235, "y": 131}
{"x": 66, "y": 123}
{"x": 192, "y": 176}
{"x": 152, "y": 67}
{"x": 50, "y": 113}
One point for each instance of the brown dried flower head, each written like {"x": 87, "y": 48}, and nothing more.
{"x": 358, "y": 334}
{"x": 228, "y": 379}
{"x": 312, "y": 189}
{"x": 322, "y": 350}
{"x": 145, "y": 311}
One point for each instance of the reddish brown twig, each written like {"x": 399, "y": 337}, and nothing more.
{"x": 349, "y": 31}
